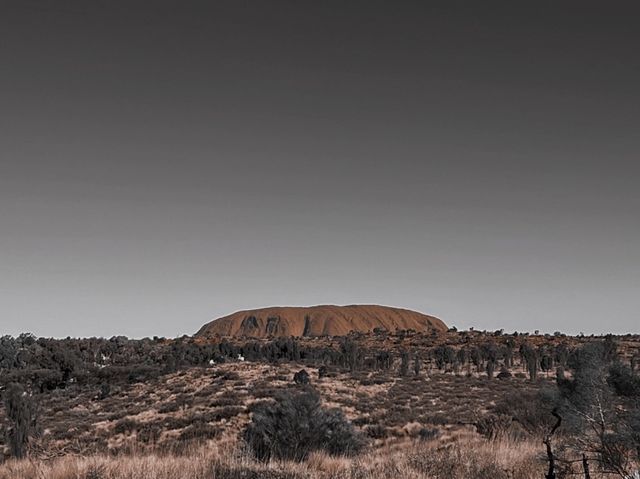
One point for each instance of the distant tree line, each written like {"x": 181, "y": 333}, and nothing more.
{"x": 43, "y": 364}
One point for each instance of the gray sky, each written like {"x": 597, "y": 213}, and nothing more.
{"x": 164, "y": 163}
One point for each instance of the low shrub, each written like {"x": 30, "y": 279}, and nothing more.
{"x": 125, "y": 426}
{"x": 493, "y": 426}
{"x": 167, "y": 407}
{"x": 376, "y": 431}
{"x": 623, "y": 380}
{"x": 454, "y": 463}
{"x": 198, "y": 432}
{"x": 530, "y": 409}
{"x": 427, "y": 434}
{"x": 301, "y": 377}
{"x": 297, "y": 424}
{"x": 226, "y": 412}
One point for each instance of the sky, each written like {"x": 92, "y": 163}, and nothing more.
{"x": 165, "y": 163}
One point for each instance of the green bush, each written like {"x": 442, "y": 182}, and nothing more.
{"x": 297, "y": 424}
{"x": 623, "y": 380}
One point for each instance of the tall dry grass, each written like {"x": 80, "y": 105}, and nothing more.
{"x": 465, "y": 460}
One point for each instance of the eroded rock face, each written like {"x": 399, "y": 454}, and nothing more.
{"x": 319, "y": 321}
{"x": 250, "y": 322}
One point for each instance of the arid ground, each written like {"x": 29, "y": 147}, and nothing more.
{"x": 426, "y": 411}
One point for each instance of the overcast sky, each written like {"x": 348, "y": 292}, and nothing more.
{"x": 164, "y": 163}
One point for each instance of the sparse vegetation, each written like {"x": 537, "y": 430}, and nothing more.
{"x": 467, "y": 459}
{"x": 295, "y": 425}
{"x": 166, "y": 400}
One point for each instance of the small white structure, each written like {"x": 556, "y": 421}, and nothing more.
{"x": 240, "y": 357}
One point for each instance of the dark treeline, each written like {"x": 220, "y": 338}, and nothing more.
{"x": 42, "y": 364}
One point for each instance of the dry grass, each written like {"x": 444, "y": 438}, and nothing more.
{"x": 469, "y": 459}
{"x": 186, "y": 425}
{"x": 212, "y": 405}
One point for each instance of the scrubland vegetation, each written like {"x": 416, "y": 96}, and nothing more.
{"x": 456, "y": 405}
{"x": 468, "y": 459}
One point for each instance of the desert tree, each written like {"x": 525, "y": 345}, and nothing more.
{"x": 601, "y": 401}
{"x": 489, "y": 351}
{"x": 351, "y": 354}
{"x": 475, "y": 357}
{"x": 546, "y": 360}
{"x": 21, "y": 413}
{"x": 530, "y": 360}
{"x": 491, "y": 367}
{"x": 561, "y": 354}
{"x": 404, "y": 363}
{"x": 444, "y": 355}
{"x": 462, "y": 355}
{"x": 508, "y": 354}
{"x": 384, "y": 360}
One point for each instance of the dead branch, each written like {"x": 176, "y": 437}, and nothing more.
{"x": 551, "y": 473}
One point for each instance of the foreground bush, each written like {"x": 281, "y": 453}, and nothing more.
{"x": 297, "y": 424}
